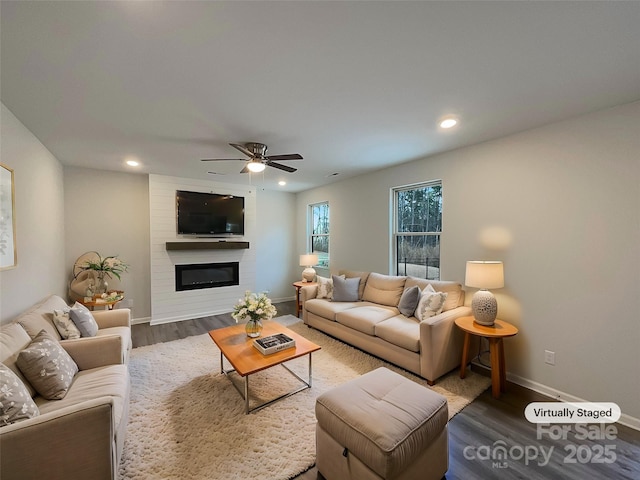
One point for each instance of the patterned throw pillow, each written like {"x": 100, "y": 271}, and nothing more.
{"x": 325, "y": 287}
{"x": 47, "y": 366}
{"x": 431, "y": 303}
{"x": 83, "y": 319}
{"x": 15, "y": 402}
{"x": 65, "y": 325}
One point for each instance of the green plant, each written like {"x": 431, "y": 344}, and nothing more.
{"x": 111, "y": 265}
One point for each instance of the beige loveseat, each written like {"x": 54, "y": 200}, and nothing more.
{"x": 429, "y": 348}
{"x": 80, "y": 436}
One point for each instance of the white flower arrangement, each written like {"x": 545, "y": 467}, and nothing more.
{"x": 255, "y": 306}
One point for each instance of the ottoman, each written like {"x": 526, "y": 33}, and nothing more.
{"x": 381, "y": 426}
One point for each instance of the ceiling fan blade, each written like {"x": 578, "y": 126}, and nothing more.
{"x": 243, "y": 149}
{"x": 222, "y": 159}
{"x": 289, "y": 156}
{"x": 286, "y": 168}
{"x": 245, "y": 170}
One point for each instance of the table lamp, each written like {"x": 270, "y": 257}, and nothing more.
{"x": 484, "y": 275}
{"x": 308, "y": 260}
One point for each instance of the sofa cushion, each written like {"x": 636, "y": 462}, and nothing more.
{"x": 455, "y": 293}
{"x": 409, "y": 301}
{"x": 83, "y": 319}
{"x": 361, "y": 275}
{"x": 15, "y": 400}
{"x": 108, "y": 381}
{"x": 384, "y": 289}
{"x": 14, "y": 339}
{"x": 40, "y": 317}
{"x": 47, "y": 366}
{"x": 401, "y": 331}
{"x": 431, "y": 303}
{"x": 64, "y": 324}
{"x": 327, "y": 309}
{"x": 345, "y": 289}
{"x": 364, "y": 319}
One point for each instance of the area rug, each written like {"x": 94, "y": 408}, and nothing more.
{"x": 187, "y": 420}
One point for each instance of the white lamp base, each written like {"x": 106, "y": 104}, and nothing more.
{"x": 308, "y": 274}
{"x": 484, "y": 307}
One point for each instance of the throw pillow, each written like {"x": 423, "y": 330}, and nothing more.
{"x": 431, "y": 303}
{"x": 325, "y": 287}
{"x": 47, "y": 366}
{"x": 65, "y": 325}
{"x": 409, "y": 301}
{"x": 83, "y": 319}
{"x": 15, "y": 402}
{"x": 345, "y": 289}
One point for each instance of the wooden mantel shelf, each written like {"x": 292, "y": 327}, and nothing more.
{"x": 219, "y": 245}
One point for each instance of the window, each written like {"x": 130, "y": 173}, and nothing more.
{"x": 319, "y": 232}
{"x": 417, "y": 226}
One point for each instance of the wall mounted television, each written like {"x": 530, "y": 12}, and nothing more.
{"x": 209, "y": 214}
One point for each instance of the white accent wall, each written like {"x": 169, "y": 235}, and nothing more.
{"x": 560, "y": 206}
{"x": 167, "y": 304}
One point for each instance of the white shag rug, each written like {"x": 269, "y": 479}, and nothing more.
{"x": 187, "y": 420}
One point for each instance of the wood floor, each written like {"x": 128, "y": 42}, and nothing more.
{"x": 483, "y": 427}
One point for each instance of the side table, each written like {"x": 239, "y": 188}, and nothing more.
{"x": 98, "y": 301}
{"x": 298, "y": 286}
{"x": 495, "y": 333}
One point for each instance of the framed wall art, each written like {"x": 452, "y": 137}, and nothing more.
{"x": 8, "y": 252}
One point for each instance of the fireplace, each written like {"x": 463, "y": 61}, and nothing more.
{"x": 207, "y": 275}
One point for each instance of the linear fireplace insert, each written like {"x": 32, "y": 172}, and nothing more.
{"x": 207, "y": 275}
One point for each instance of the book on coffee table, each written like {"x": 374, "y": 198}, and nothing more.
{"x": 273, "y": 343}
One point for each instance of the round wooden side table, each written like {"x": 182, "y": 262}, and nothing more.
{"x": 298, "y": 285}
{"x": 495, "y": 333}
{"x": 98, "y": 301}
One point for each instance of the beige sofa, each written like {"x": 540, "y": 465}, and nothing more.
{"x": 82, "y": 435}
{"x": 429, "y": 348}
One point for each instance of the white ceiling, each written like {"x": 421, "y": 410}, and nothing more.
{"x": 351, "y": 86}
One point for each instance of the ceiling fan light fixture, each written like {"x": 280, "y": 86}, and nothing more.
{"x": 256, "y": 167}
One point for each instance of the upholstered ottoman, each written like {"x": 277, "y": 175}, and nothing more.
{"x": 381, "y": 426}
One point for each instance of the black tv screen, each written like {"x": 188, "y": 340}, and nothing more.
{"x": 209, "y": 214}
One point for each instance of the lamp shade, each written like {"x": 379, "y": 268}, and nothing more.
{"x": 255, "y": 166}
{"x": 308, "y": 260}
{"x": 484, "y": 275}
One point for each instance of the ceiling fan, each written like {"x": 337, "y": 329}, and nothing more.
{"x": 258, "y": 159}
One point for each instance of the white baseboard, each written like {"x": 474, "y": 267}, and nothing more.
{"x": 136, "y": 321}
{"x": 181, "y": 318}
{"x": 626, "y": 420}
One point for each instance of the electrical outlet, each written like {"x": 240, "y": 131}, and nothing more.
{"x": 549, "y": 357}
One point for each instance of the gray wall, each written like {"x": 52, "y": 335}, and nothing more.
{"x": 560, "y": 205}
{"x": 39, "y": 202}
{"x": 108, "y": 212}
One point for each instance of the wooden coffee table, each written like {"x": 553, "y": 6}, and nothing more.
{"x": 239, "y": 351}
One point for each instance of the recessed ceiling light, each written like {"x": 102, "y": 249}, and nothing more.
{"x": 448, "y": 122}
{"x": 282, "y": 183}
{"x": 132, "y": 162}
